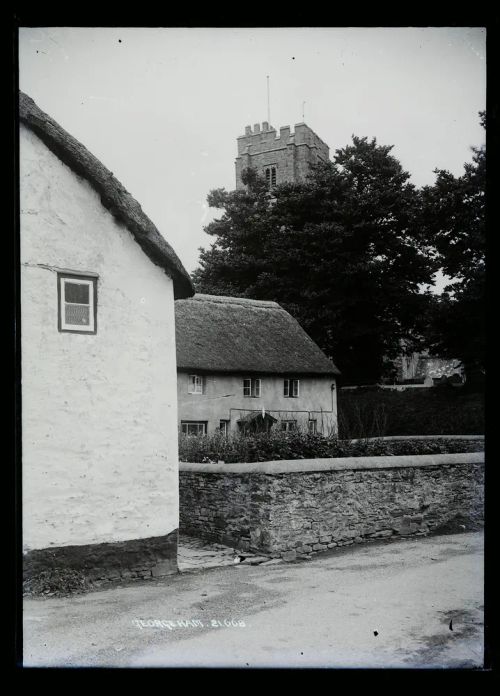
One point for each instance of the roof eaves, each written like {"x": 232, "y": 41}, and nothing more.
{"x": 113, "y": 194}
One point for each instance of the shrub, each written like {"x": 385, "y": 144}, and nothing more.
{"x": 304, "y": 445}
{"x": 55, "y": 581}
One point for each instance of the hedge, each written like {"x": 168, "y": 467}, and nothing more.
{"x": 303, "y": 445}
{"x": 376, "y": 412}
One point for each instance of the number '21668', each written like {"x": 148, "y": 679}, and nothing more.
{"x": 215, "y": 623}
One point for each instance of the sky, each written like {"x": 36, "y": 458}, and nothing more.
{"x": 162, "y": 107}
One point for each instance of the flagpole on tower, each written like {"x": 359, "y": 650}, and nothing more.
{"x": 268, "y": 102}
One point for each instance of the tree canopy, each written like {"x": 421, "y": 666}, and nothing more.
{"x": 343, "y": 252}
{"x": 454, "y": 218}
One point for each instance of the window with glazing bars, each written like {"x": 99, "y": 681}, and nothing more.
{"x": 251, "y": 387}
{"x": 77, "y": 298}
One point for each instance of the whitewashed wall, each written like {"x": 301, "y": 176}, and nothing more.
{"x": 99, "y": 413}
{"x": 223, "y": 398}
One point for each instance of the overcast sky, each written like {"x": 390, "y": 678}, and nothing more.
{"x": 162, "y": 108}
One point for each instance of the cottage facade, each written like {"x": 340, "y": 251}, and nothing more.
{"x": 99, "y": 410}
{"x": 246, "y": 364}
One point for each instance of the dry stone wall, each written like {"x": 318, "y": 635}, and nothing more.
{"x": 301, "y": 507}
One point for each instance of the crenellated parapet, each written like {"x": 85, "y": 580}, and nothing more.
{"x": 283, "y": 156}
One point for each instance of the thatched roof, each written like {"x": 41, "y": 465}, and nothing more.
{"x": 232, "y": 334}
{"x": 113, "y": 195}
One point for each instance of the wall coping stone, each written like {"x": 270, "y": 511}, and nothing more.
{"x": 416, "y": 437}
{"x": 288, "y": 466}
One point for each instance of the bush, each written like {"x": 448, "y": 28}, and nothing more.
{"x": 278, "y": 445}
{"x": 59, "y": 582}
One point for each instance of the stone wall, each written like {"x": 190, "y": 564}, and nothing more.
{"x": 138, "y": 558}
{"x": 306, "y": 506}
{"x": 292, "y": 154}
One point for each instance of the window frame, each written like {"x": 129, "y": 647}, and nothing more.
{"x": 271, "y": 175}
{"x": 288, "y": 422}
{"x": 254, "y": 388}
{"x": 291, "y": 388}
{"x": 187, "y": 423}
{"x": 224, "y": 424}
{"x": 79, "y": 279}
{"x": 312, "y": 426}
{"x": 196, "y": 383}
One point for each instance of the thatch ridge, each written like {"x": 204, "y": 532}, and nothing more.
{"x": 113, "y": 194}
{"x": 225, "y": 299}
{"x": 233, "y": 334}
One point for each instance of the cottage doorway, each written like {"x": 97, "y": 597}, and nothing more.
{"x": 256, "y": 422}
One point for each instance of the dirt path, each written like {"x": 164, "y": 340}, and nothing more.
{"x": 378, "y": 605}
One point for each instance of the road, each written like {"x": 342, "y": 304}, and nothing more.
{"x": 376, "y": 605}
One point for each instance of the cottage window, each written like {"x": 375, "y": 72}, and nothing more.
{"x": 291, "y": 387}
{"x": 313, "y": 426}
{"x": 251, "y": 387}
{"x": 224, "y": 427}
{"x": 195, "y": 384}
{"x": 195, "y": 428}
{"x": 77, "y": 298}
{"x": 288, "y": 425}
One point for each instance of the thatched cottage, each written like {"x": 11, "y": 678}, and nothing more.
{"x": 99, "y": 407}
{"x": 247, "y": 364}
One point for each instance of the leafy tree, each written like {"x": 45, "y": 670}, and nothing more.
{"x": 342, "y": 252}
{"x": 454, "y": 217}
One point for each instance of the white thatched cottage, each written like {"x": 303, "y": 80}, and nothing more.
{"x": 99, "y": 411}
{"x": 247, "y": 364}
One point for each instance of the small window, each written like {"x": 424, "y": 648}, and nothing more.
{"x": 291, "y": 387}
{"x": 195, "y": 384}
{"x": 224, "y": 427}
{"x": 77, "y": 297}
{"x": 251, "y": 387}
{"x": 194, "y": 428}
{"x": 288, "y": 425}
{"x": 270, "y": 173}
{"x": 313, "y": 426}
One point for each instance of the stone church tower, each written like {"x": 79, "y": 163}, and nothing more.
{"x": 280, "y": 157}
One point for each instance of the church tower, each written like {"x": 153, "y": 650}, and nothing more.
{"x": 279, "y": 157}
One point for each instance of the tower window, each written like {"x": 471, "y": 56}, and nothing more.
{"x": 271, "y": 177}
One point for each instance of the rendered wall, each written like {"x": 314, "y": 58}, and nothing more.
{"x": 99, "y": 412}
{"x": 223, "y": 400}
